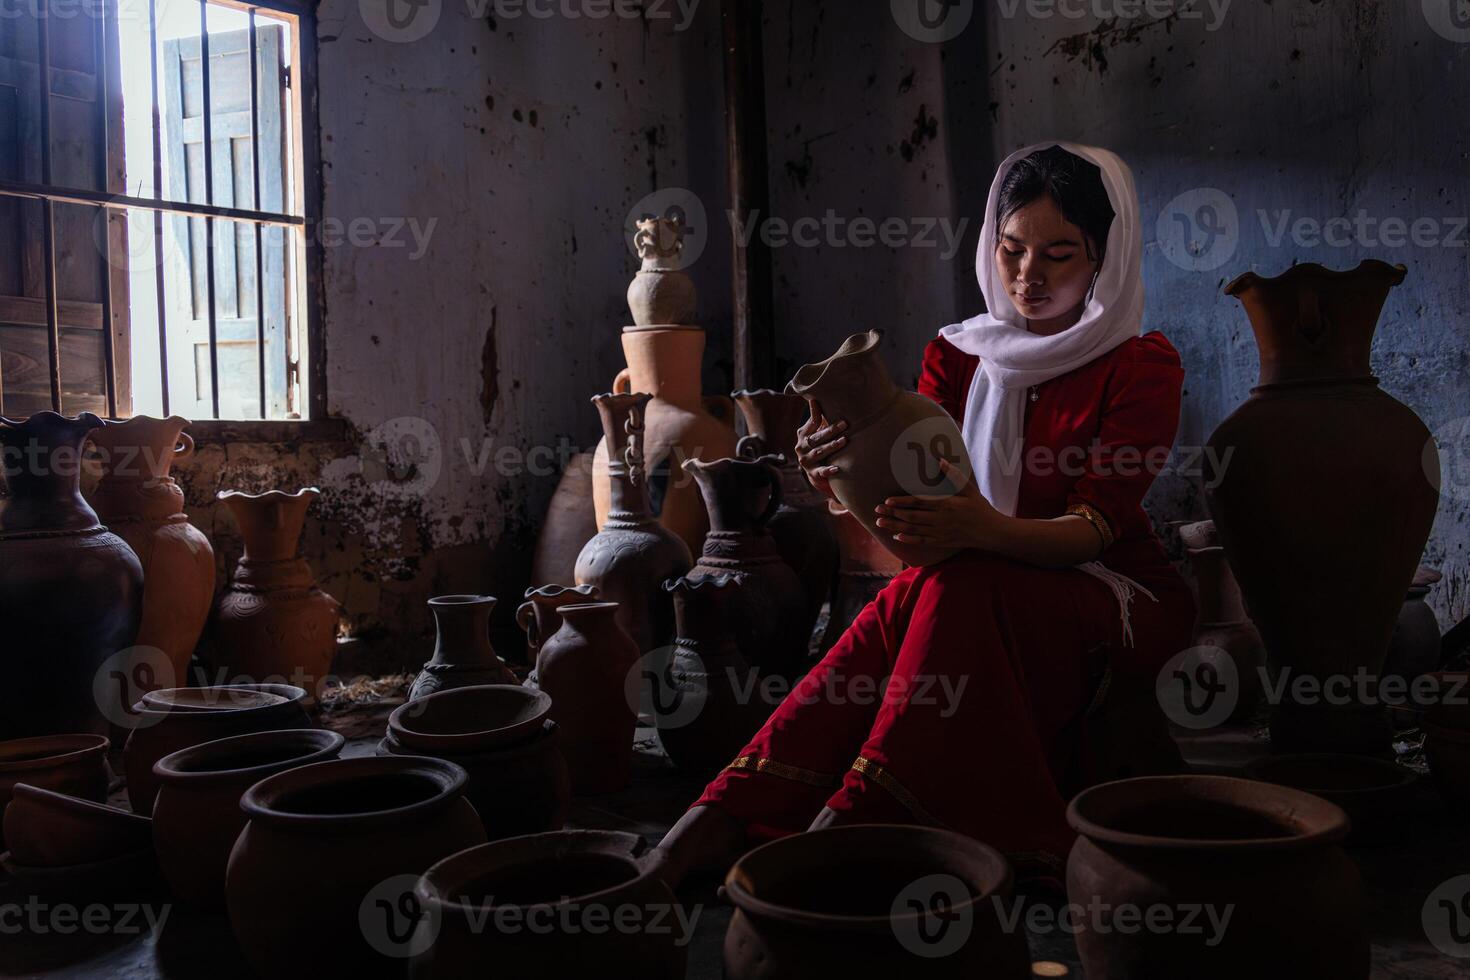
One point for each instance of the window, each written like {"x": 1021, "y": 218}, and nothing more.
{"x": 154, "y": 208}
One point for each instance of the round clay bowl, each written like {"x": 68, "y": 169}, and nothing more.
{"x": 1370, "y": 791}
{"x": 467, "y": 720}
{"x": 210, "y": 699}
{"x": 45, "y": 829}
{"x": 71, "y": 764}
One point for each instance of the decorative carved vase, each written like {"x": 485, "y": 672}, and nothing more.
{"x": 1323, "y": 494}
{"x": 539, "y": 618}
{"x": 585, "y": 668}
{"x": 570, "y": 523}
{"x": 139, "y": 500}
{"x": 864, "y": 570}
{"x": 769, "y": 607}
{"x": 1222, "y": 628}
{"x": 273, "y": 620}
{"x": 633, "y": 555}
{"x": 662, "y": 291}
{"x": 71, "y": 591}
{"x": 895, "y": 438}
{"x": 802, "y": 525}
{"x": 463, "y": 656}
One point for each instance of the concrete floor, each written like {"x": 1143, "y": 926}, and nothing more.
{"x": 1433, "y": 848}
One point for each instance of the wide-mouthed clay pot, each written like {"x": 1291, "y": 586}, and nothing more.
{"x": 1373, "y": 792}
{"x": 463, "y": 656}
{"x": 197, "y": 815}
{"x": 1267, "y": 856}
{"x": 538, "y": 617}
{"x": 170, "y": 720}
{"x": 873, "y": 900}
{"x": 481, "y": 905}
{"x": 318, "y": 879}
{"x": 46, "y": 829}
{"x": 895, "y": 438}
{"x": 72, "y": 764}
{"x": 470, "y": 719}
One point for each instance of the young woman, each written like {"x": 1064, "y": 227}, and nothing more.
{"x": 990, "y": 659}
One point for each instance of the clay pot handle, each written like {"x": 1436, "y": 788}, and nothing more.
{"x": 750, "y": 447}
{"x": 623, "y": 383}
{"x": 184, "y": 448}
{"x": 773, "y": 476}
{"x": 526, "y": 620}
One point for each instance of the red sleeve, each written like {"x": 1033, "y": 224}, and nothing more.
{"x": 1139, "y": 420}
{"x": 946, "y": 376}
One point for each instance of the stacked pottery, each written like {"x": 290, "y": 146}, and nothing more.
{"x": 865, "y": 569}
{"x": 463, "y": 656}
{"x": 895, "y": 438}
{"x": 1267, "y": 856}
{"x": 586, "y": 669}
{"x": 802, "y": 525}
{"x": 595, "y": 906}
{"x": 1319, "y": 448}
{"x": 569, "y": 524}
{"x": 139, "y": 500}
{"x": 1223, "y": 633}
{"x": 319, "y": 881}
{"x": 197, "y": 815}
{"x": 633, "y": 555}
{"x": 273, "y": 621}
{"x": 501, "y": 736}
{"x": 173, "y": 719}
{"x": 873, "y": 901}
{"x": 768, "y": 608}
{"x": 538, "y": 616}
{"x": 72, "y": 764}
{"x": 71, "y": 591}
{"x": 664, "y": 353}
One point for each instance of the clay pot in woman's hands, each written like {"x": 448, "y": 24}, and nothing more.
{"x": 538, "y": 617}
{"x": 463, "y": 656}
{"x": 72, "y": 764}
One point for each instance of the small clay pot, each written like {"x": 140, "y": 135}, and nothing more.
{"x": 523, "y": 788}
{"x": 482, "y": 900}
{"x": 329, "y": 856}
{"x": 1448, "y": 753}
{"x": 189, "y": 720}
{"x": 864, "y": 900}
{"x": 463, "y": 656}
{"x": 539, "y": 617}
{"x": 1371, "y": 791}
{"x": 72, "y": 764}
{"x": 45, "y": 829}
{"x": 197, "y": 815}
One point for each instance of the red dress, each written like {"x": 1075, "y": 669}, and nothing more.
{"x": 989, "y": 662}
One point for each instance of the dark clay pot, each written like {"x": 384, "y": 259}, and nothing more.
{"x": 197, "y": 816}
{"x": 1373, "y": 792}
{"x": 165, "y": 725}
{"x": 481, "y": 900}
{"x": 72, "y": 764}
{"x": 1316, "y": 449}
{"x": 874, "y": 901}
{"x": 1266, "y": 853}
{"x": 71, "y": 591}
{"x": 306, "y": 880}
{"x": 539, "y": 618}
{"x": 463, "y": 656}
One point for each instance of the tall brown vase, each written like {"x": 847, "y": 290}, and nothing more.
{"x": 273, "y": 620}
{"x": 138, "y": 499}
{"x": 1323, "y": 489}
{"x": 71, "y": 591}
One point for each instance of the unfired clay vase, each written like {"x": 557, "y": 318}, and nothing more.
{"x": 633, "y": 555}
{"x": 1319, "y": 448}
{"x": 71, "y": 764}
{"x": 895, "y": 438}
{"x": 368, "y": 821}
{"x": 1222, "y": 629}
{"x": 538, "y": 617}
{"x": 585, "y": 668}
{"x": 571, "y": 881}
{"x": 872, "y": 901}
{"x": 569, "y": 524}
{"x": 769, "y": 612}
{"x": 197, "y": 815}
{"x": 865, "y": 569}
{"x": 138, "y": 499}
{"x": 1268, "y": 853}
{"x": 661, "y": 292}
{"x": 71, "y": 591}
{"x": 463, "y": 656}
{"x": 273, "y": 621}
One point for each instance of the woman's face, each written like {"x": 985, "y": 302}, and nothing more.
{"x": 1043, "y": 260}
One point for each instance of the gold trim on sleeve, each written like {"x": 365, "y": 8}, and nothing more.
{"x": 771, "y": 767}
{"x": 896, "y": 789}
{"x": 1096, "y": 519}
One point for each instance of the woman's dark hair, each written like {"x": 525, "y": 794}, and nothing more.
{"x": 1075, "y": 184}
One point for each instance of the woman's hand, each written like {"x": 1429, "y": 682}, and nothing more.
{"x": 816, "y": 441}
{"x": 965, "y": 520}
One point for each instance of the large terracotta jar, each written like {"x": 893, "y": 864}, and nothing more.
{"x": 71, "y": 591}
{"x": 320, "y": 879}
{"x": 1323, "y": 494}
{"x": 629, "y": 560}
{"x": 585, "y": 668}
{"x": 895, "y": 438}
{"x": 273, "y": 621}
{"x": 463, "y": 656}
{"x": 141, "y": 503}
{"x": 874, "y": 900}
{"x": 865, "y": 569}
{"x": 569, "y": 524}
{"x": 477, "y": 904}
{"x": 1265, "y": 855}
{"x": 769, "y": 607}
{"x": 1222, "y": 630}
